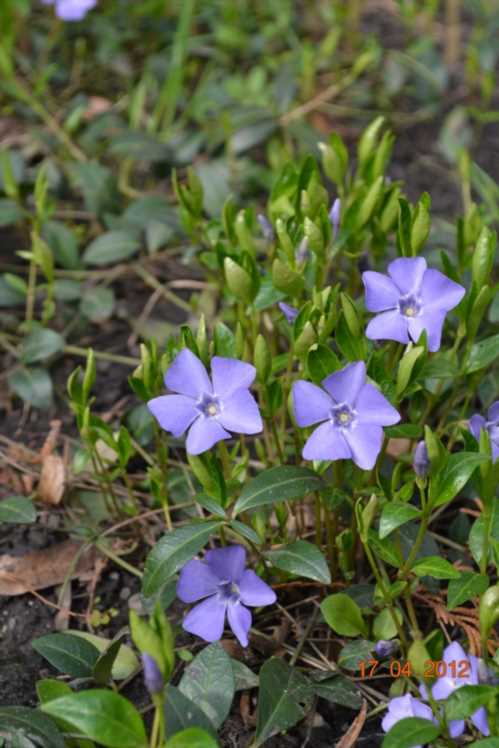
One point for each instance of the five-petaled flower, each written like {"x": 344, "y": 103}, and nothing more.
{"x": 402, "y": 707}
{"x": 71, "y": 10}
{"x": 225, "y": 587}
{"x": 412, "y": 299}
{"x": 489, "y": 424}
{"x": 352, "y": 413}
{"x": 208, "y": 408}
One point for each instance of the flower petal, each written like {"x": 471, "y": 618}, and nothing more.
{"x": 206, "y": 619}
{"x": 476, "y": 424}
{"x": 456, "y": 728}
{"x": 493, "y": 414}
{"x": 432, "y": 322}
{"x": 239, "y": 621}
{"x": 187, "y": 375}
{"x": 365, "y": 444}
{"x": 196, "y": 580}
{"x": 479, "y": 719}
{"x": 443, "y": 687}
{"x": 381, "y": 292}
{"x": 388, "y": 326}
{"x": 227, "y": 563}
{"x": 230, "y": 374}
{"x": 289, "y": 312}
{"x": 439, "y": 292}
{"x": 326, "y": 443}
{"x": 345, "y": 385}
{"x": 203, "y": 434}
{"x": 310, "y": 403}
{"x": 254, "y": 591}
{"x": 407, "y": 273}
{"x": 174, "y": 413}
{"x": 454, "y": 652}
{"x": 240, "y": 413}
{"x": 373, "y": 407}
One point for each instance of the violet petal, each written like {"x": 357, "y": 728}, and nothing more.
{"x": 240, "y": 413}
{"x": 407, "y": 273}
{"x": 227, "y": 563}
{"x": 203, "y": 434}
{"x": 230, "y": 374}
{"x": 365, "y": 443}
{"x": 254, "y": 591}
{"x": 187, "y": 375}
{"x": 196, "y": 580}
{"x": 326, "y": 443}
{"x": 239, "y": 621}
{"x": 206, "y": 619}
{"x": 310, "y": 403}
{"x": 174, "y": 413}
{"x": 345, "y": 385}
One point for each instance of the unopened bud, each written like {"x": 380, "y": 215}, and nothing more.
{"x": 334, "y": 215}
{"x": 420, "y": 460}
{"x": 385, "y": 648}
{"x": 266, "y": 227}
{"x": 153, "y": 679}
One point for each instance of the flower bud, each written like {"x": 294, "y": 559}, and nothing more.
{"x": 334, "y": 215}
{"x": 385, "y": 648}
{"x": 153, "y": 679}
{"x": 289, "y": 312}
{"x": 266, "y": 227}
{"x": 420, "y": 460}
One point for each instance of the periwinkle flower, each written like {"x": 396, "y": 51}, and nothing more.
{"x": 266, "y": 227}
{"x": 290, "y": 312}
{"x": 489, "y": 424}
{"x": 410, "y": 299}
{"x": 420, "y": 460}
{"x": 402, "y": 707}
{"x": 455, "y": 659}
{"x": 71, "y": 10}
{"x": 208, "y": 408}
{"x": 385, "y": 647}
{"x": 153, "y": 678}
{"x": 225, "y": 588}
{"x": 334, "y": 215}
{"x": 351, "y": 413}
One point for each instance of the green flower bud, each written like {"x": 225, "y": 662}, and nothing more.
{"x": 489, "y": 612}
{"x": 262, "y": 359}
{"x": 285, "y": 279}
{"x": 238, "y": 280}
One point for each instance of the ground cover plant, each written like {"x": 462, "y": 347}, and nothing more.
{"x": 250, "y": 409}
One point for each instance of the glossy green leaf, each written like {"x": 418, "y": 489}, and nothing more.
{"x": 209, "y": 682}
{"x": 32, "y": 723}
{"x": 67, "y": 653}
{"x": 34, "y": 386}
{"x": 244, "y": 678}
{"x": 192, "y": 737}
{"x": 355, "y": 652}
{"x": 410, "y": 732}
{"x": 10, "y": 212}
{"x": 181, "y": 713}
{"x": 338, "y": 690}
{"x": 457, "y": 472}
{"x": 126, "y": 661}
{"x": 485, "y": 743}
{"x": 113, "y": 246}
{"x": 395, "y": 514}
{"x": 277, "y": 484}
{"x": 466, "y": 700}
{"x": 384, "y": 626}
{"x": 17, "y": 510}
{"x": 172, "y": 551}
{"x": 321, "y": 362}
{"x": 101, "y": 715}
{"x": 468, "y": 585}
{"x": 97, "y": 304}
{"x": 49, "y": 689}
{"x": 482, "y": 354}
{"x": 283, "y": 690}
{"x": 343, "y": 615}
{"x": 435, "y": 566}
{"x": 40, "y": 344}
{"x": 303, "y": 559}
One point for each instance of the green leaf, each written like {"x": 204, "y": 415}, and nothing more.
{"x": 277, "y": 484}
{"x": 49, "y": 689}
{"x": 63, "y": 244}
{"x": 32, "y": 723}
{"x": 485, "y": 743}
{"x": 395, "y": 514}
{"x": 338, "y": 690}
{"x": 282, "y": 691}
{"x": 244, "y": 678}
{"x": 321, "y": 362}
{"x": 40, "y": 344}
{"x": 172, "y": 551}
{"x": 384, "y": 626}
{"x": 34, "y": 386}
{"x": 468, "y": 585}
{"x": 343, "y": 615}
{"x": 435, "y": 566}
{"x": 303, "y": 559}
{"x": 10, "y": 212}
{"x": 406, "y": 733}
{"x": 482, "y": 354}
{"x": 67, "y": 653}
{"x": 192, "y": 737}
{"x": 466, "y": 700}
{"x": 209, "y": 682}
{"x": 457, "y": 472}
{"x": 110, "y": 247}
{"x": 181, "y": 712}
{"x": 17, "y": 510}
{"x": 97, "y": 304}
{"x": 353, "y": 653}
{"x": 101, "y": 715}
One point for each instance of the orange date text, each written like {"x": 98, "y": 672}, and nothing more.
{"x": 432, "y": 669}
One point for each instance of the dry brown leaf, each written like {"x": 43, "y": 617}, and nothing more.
{"x": 96, "y": 105}
{"x": 52, "y": 479}
{"x": 46, "y": 568}
{"x": 51, "y": 440}
{"x": 397, "y": 447}
{"x": 349, "y": 739}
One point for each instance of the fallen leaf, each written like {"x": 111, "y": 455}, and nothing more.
{"x": 96, "y": 105}
{"x": 397, "y": 447}
{"x": 52, "y": 479}
{"x": 45, "y": 568}
{"x": 51, "y": 440}
{"x": 349, "y": 739}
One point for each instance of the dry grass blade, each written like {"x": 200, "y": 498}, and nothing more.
{"x": 349, "y": 739}
{"x": 52, "y": 480}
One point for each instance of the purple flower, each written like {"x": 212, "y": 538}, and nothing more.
{"x": 302, "y": 253}
{"x": 226, "y": 586}
{"x": 402, "y": 707}
{"x": 352, "y": 413}
{"x": 446, "y": 685}
{"x": 207, "y": 407}
{"x": 491, "y": 424}
{"x": 71, "y": 10}
{"x": 414, "y": 298}
{"x": 384, "y": 648}
{"x": 153, "y": 678}
{"x": 420, "y": 460}
{"x": 266, "y": 227}
{"x": 334, "y": 215}
{"x": 289, "y": 312}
